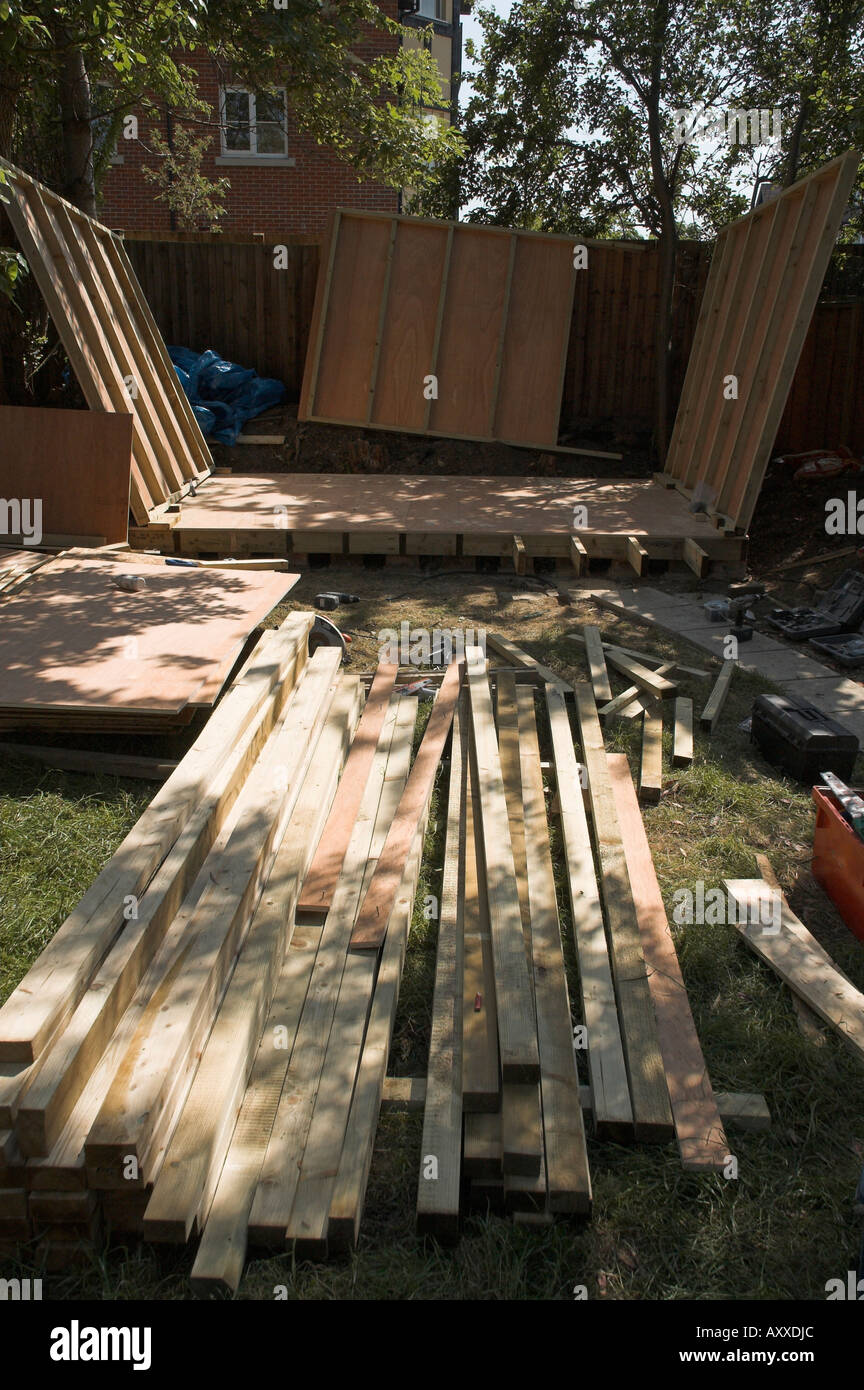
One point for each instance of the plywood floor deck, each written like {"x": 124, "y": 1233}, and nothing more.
{"x": 391, "y": 514}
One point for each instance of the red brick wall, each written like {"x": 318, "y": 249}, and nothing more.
{"x": 273, "y": 200}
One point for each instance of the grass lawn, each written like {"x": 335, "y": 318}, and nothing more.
{"x": 779, "y": 1231}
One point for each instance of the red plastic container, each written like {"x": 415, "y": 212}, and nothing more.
{"x": 838, "y": 862}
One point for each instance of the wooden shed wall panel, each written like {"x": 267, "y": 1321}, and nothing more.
{"x": 761, "y": 292}
{"x": 408, "y": 341}
{"x": 469, "y": 333}
{"x": 350, "y": 324}
{"x": 535, "y": 344}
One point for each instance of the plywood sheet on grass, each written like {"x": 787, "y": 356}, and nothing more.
{"x": 482, "y": 310}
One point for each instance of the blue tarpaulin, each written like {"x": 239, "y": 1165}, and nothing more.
{"x": 223, "y": 395}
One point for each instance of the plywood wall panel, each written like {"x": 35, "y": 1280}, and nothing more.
{"x": 348, "y": 348}
{"x": 531, "y": 383}
{"x": 420, "y": 256}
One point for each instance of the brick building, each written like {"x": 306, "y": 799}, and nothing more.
{"x": 281, "y": 181}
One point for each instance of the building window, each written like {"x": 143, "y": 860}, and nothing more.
{"x": 253, "y": 123}
{"x": 434, "y": 9}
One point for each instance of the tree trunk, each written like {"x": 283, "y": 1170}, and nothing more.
{"x": 78, "y": 182}
{"x": 668, "y": 236}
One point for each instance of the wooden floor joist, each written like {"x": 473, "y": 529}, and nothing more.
{"x": 698, "y": 1127}
{"x": 517, "y": 1032}
{"x": 631, "y": 701}
{"x": 438, "y": 1188}
{"x": 651, "y": 1112}
{"x": 317, "y": 893}
{"x": 613, "y": 1110}
{"x": 371, "y": 925}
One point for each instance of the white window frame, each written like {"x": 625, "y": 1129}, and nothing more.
{"x": 252, "y": 152}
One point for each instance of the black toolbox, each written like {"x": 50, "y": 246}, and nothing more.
{"x": 798, "y": 738}
{"x": 841, "y": 609}
{"x": 846, "y": 648}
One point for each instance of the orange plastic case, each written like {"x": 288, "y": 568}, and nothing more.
{"x": 838, "y": 862}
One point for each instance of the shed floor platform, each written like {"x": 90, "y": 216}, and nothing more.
{"x": 285, "y": 513}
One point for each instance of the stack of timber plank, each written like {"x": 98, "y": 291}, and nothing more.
{"x": 200, "y": 1053}
{"x": 102, "y": 1042}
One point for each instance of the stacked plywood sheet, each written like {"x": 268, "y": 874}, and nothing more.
{"x": 83, "y": 648}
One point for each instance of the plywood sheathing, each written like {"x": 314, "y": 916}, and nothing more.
{"x": 765, "y": 277}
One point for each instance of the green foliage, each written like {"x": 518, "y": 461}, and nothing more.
{"x": 366, "y": 107}
{"x": 570, "y": 124}
{"x": 182, "y": 185}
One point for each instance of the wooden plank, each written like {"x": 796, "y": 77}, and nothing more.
{"x": 404, "y": 1095}
{"x": 78, "y": 464}
{"x": 656, "y": 685}
{"x": 778, "y": 937}
{"x": 54, "y": 984}
{"x": 320, "y": 882}
{"x": 627, "y": 704}
{"x": 651, "y": 766}
{"x": 521, "y": 1126}
{"x": 596, "y": 662}
{"x": 278, "y": 1168}
{"x": 58, "y": 1079}
{"x": 371, "y": 925}
{"x": 481, "y": 1157}
{"x": 613, "y": 1111}
{"x": 516, "y": 657}
{"x": 698, "y": 1127}
{"x": 717, "y": 699}
{"x": 651, "y": 1112}
{"x": 481, "y": 1085}
{"x": 349, "y": 1189}
{"x": 139, "y": 1093}
{"x": 517, "y": 1033}
{"x": 92, "y": 762}
{"x": 439, "y": 1182}
{"x": 682, "y": 742}
{"x": 743, "y": 1110}
{"x": 566, "y": 1160}
{"x": 317, "y": 328}
{"x": 183, "y": 1189}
